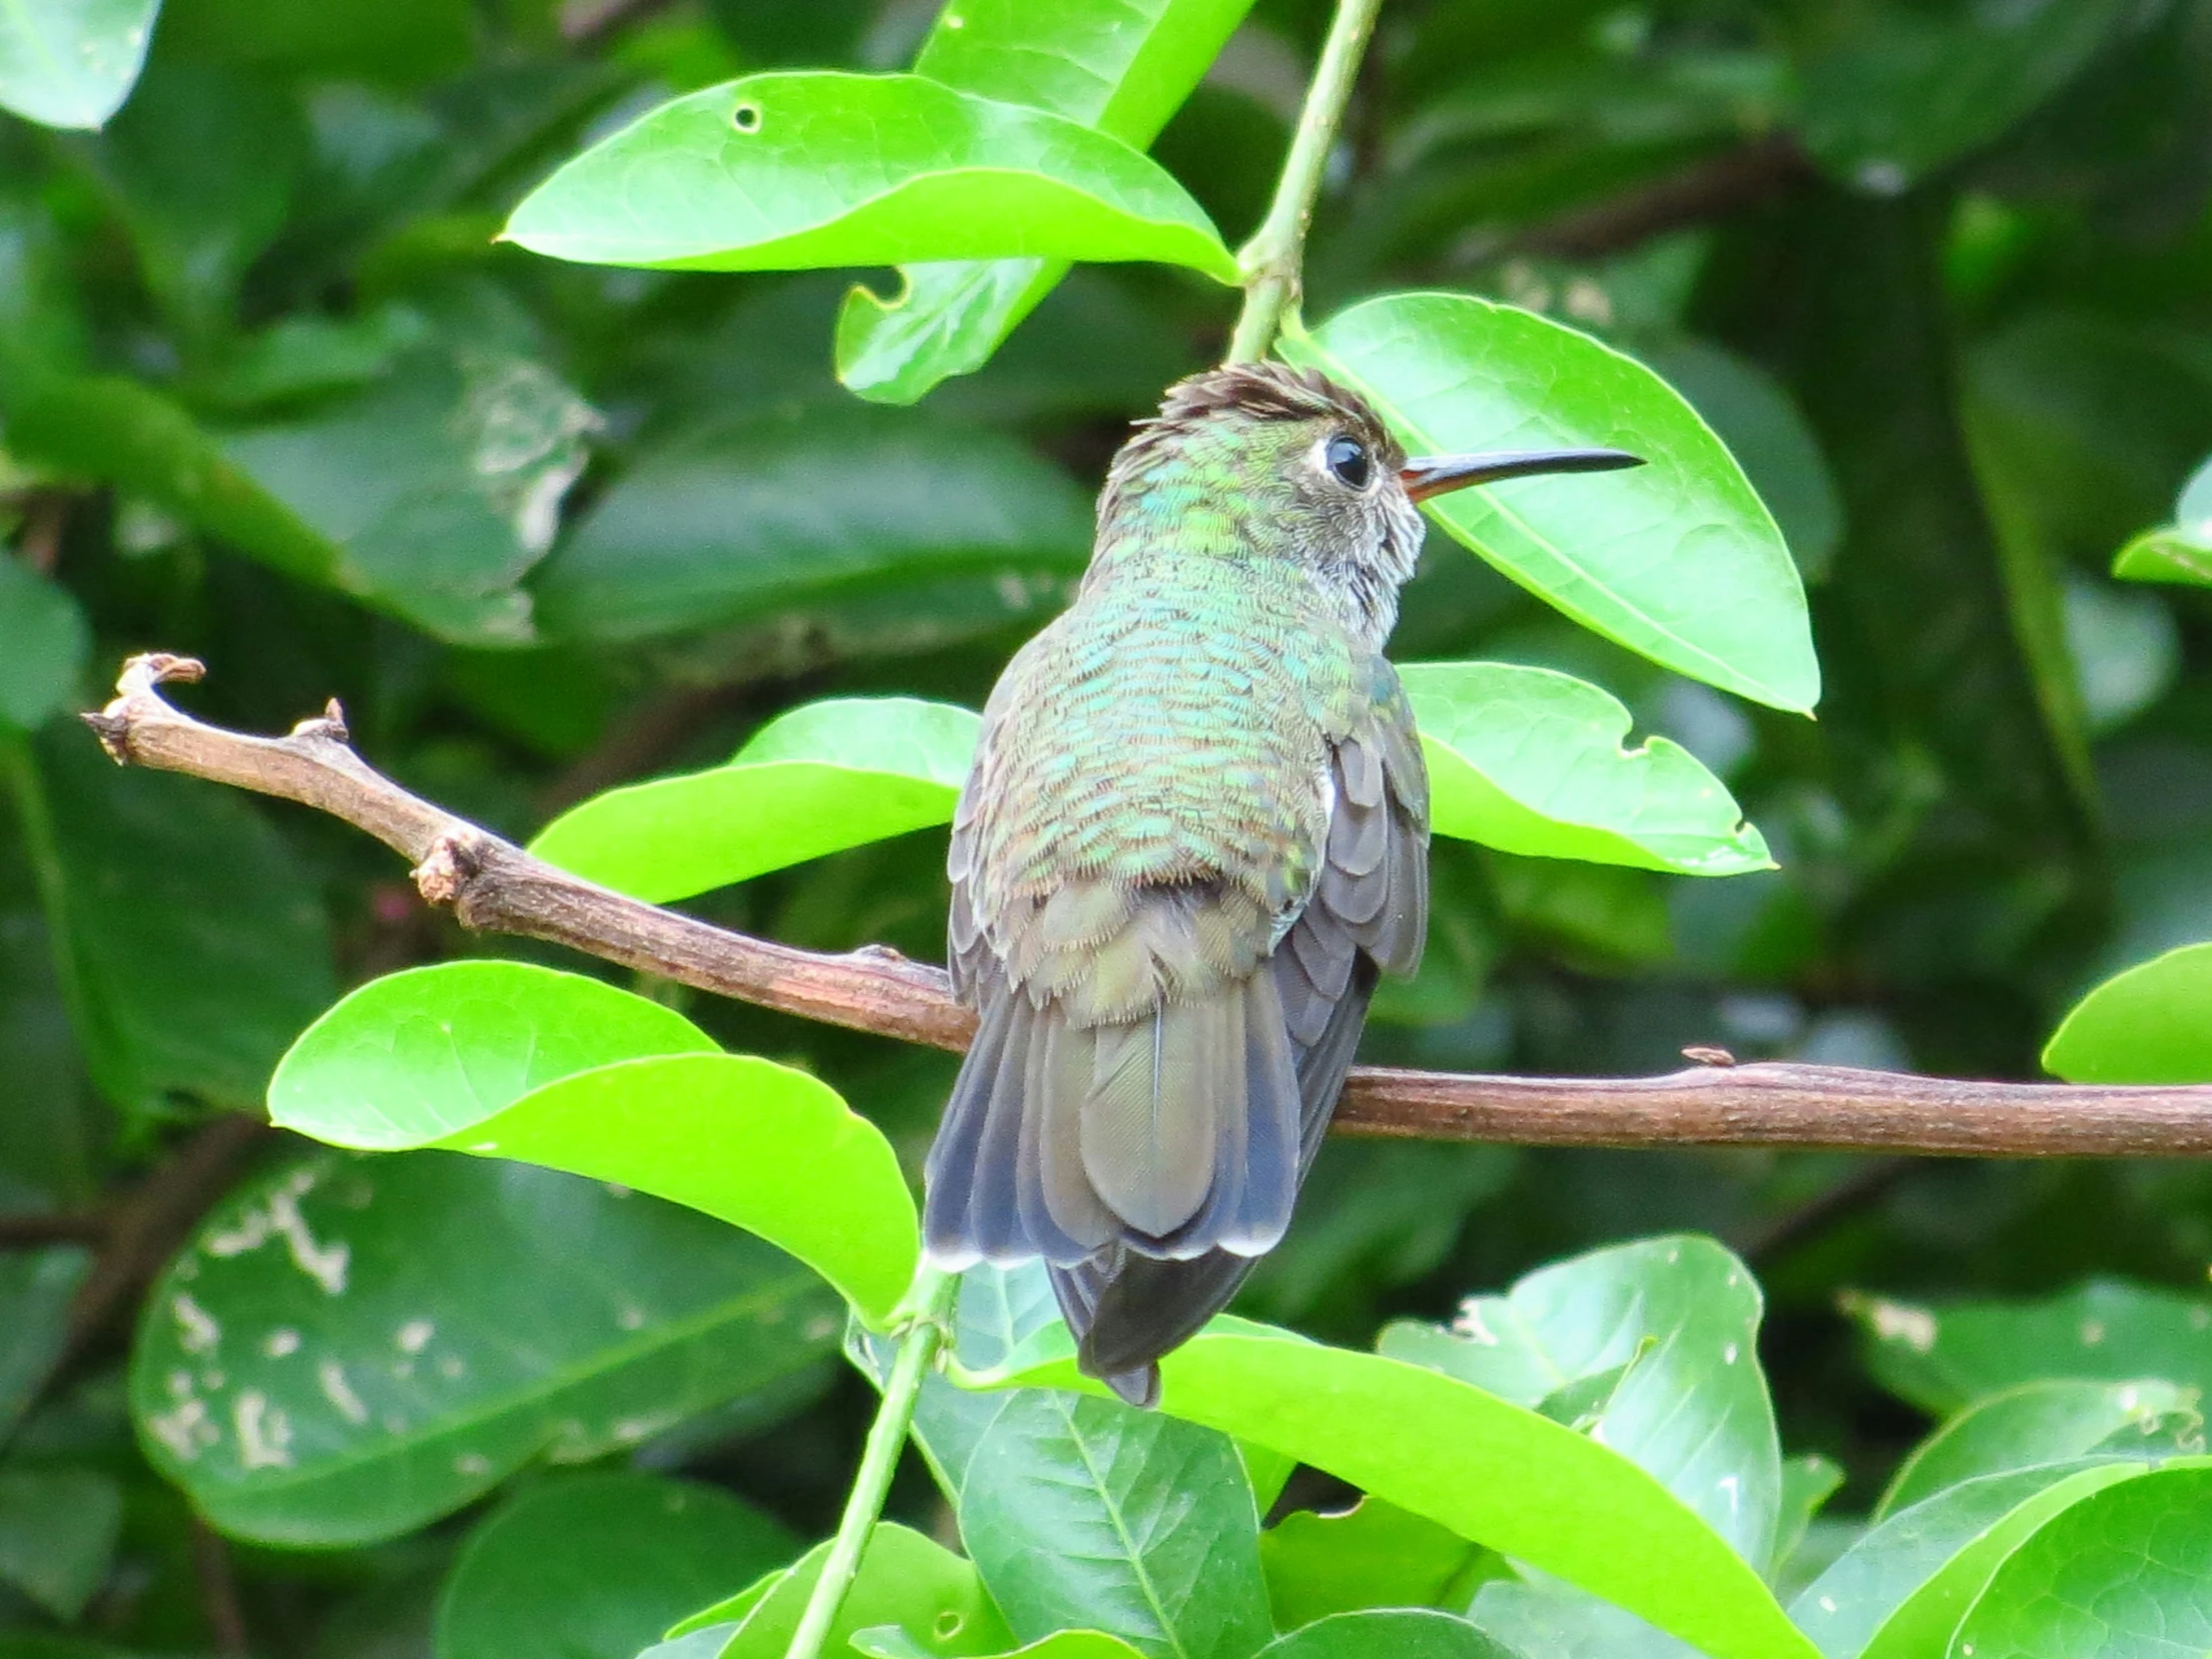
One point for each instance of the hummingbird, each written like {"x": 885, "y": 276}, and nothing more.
{"x": 1195, "y": 832}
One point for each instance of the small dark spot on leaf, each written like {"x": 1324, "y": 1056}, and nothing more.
{"x": 745, "y": 118}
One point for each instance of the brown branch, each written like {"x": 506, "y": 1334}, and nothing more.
{"x": 495, "y": 886}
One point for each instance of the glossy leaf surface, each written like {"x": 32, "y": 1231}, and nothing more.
{"x": 1899, "y": 1592}
{"x": 1373, "y": 1555}
{"x": 1668, "y": 1330}
{"x": 1677, "y": 559}
{"x": 2036, "y": 1422}
{"x": 2151, "y": 1024}
{"x": 931, "y": 1596}
{"x": 2126, "y": 1573}
{"x": 1492, "y": 1471}
{"x": 71, "y": 62}
{"x": 817, "y": 780}
{"x": 1086, "y": 1514}
{"x": 388, "y": 1070}
{"x": 1528, "y": 759}
{"x": 791, "y": 171}
{"x": 1121, "y": 66}
{"x": 435, "y": 1049}
{"x": 352, "y": 1347}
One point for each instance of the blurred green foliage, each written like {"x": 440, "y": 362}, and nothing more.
{"x": 271, "y": 394}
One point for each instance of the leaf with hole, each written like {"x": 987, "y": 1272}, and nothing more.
{"x": 1118, "y": 66}
{"x": 1528, "y": 759}
{"x": 1670, "y": 1328}
{"x": 931, "y": 1596}
{"x": 1677, "y": 559}
{"x": 795, "y": 170}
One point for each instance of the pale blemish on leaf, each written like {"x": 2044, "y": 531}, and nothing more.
{"x": 263, "y": 1432}
{"x": 279, "y": 1217}
{"x": 281, "y": 1342}
{"x": 414, "y": 1336}
{"x": 196, "y": 1331}
{"x": 340, "y": 1393}
{"x": 181, "y": 1428}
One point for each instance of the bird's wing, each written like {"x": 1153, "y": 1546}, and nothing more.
{"x": 1127, "y": 1308}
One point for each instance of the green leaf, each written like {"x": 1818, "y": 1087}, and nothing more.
{"x": 887, "y": 1641}
{"x": 791, "y": 171}
{"x": 119, "y": 432}
{"x": 815, "y": 780}
{"x": 932, "y": 1595}
{"x": 1678, "y": 559}
{"x": 1087, "y": 1513}
{"x": 1528, "y": 759}
{"x": 1764, "y": 431}
{"x": 190, "y": 942}
{"x": 1809, "y": 1480}
{"x": 352, "y": 1347}
{"x": 1899, "y": 1592}
{"x": 71, "y": 62}
{"x": 1373, "y": 1555}
{"x": 43, "y": 645}
{"x": 418, "y": 1060}
{"x": 437, "y": 489}
{"x": 57, "y": 1531}
{"x": 740, "y": 522}
{"x": 1682, "y": 1315}
{"x": 36, "y": 1288}
{"x": 2036, "y": 1422}
{"x": 2151, "y": 1024}
{"x": 2126, "y": 1573}
{"x": 1118, "y": 66}
{"x": 998, "y": 1310}
{"x": 1944, "y": 1359}
{"x": 436, "y": 1050}
{"x": 202, "y": 168}
{"x": 1905, "y": 91}
{"x": 595, "y": 1566}
{"x": 1395, "y": 1633}
{"x": 2166, "y": 555}
{"x": 1491, "y": 1470}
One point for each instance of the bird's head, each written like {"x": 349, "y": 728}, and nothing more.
{"x": 1262, "y": 461}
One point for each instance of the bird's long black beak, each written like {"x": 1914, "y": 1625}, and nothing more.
{"x": 1427, "y": 475}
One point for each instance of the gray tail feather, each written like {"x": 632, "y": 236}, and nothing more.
{"x": 1126, "y": 1310}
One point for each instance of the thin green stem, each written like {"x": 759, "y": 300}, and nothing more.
{"x": 1271, "y": 259}
{"x": 929, "y": 1307}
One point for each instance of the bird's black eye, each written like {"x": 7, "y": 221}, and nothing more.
{"x": 1348, "y": 459}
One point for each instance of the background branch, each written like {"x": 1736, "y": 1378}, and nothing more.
{"x": 495, "y": 886}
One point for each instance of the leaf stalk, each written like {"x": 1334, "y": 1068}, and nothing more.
{"x": 924, "y": 1315}
{"x": 1273, "y": 259}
